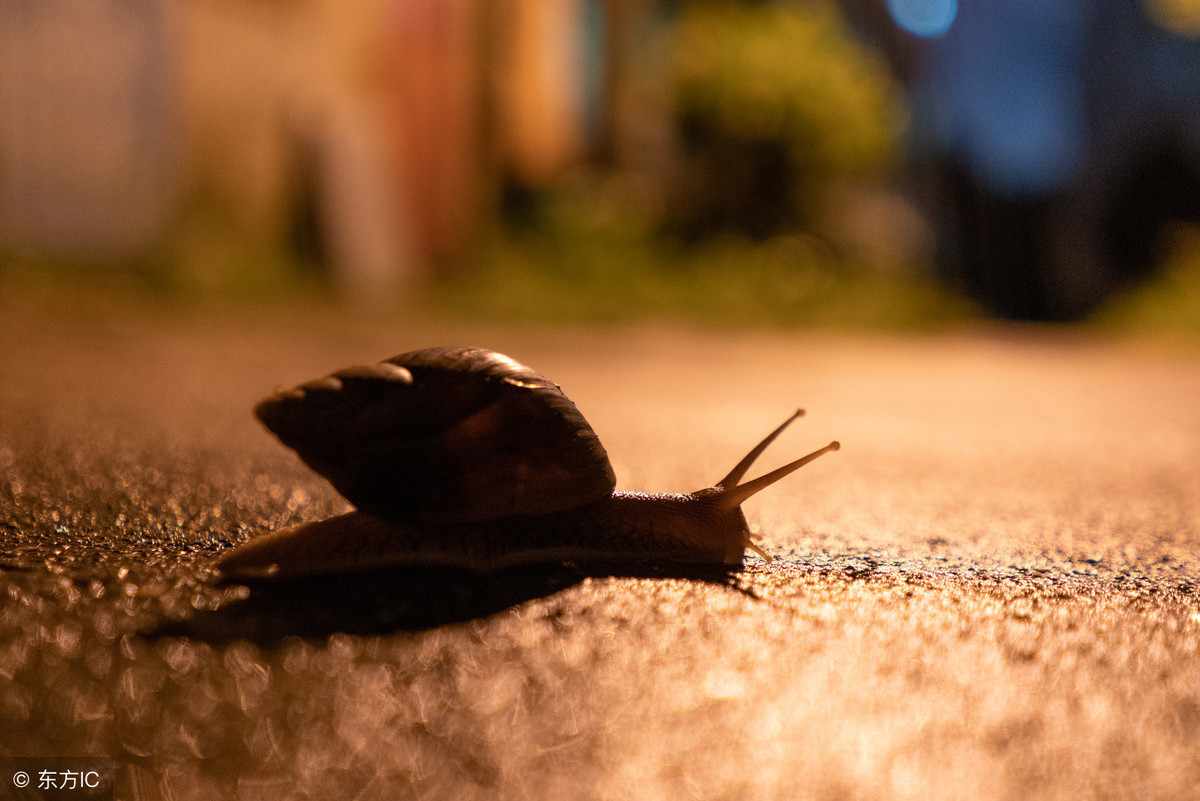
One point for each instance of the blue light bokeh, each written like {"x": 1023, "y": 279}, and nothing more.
{"x": 924, "y": 17}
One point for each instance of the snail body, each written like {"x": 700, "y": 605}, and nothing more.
{"x": 462, "y": 457}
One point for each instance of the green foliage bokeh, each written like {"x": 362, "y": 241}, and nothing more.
{"x": 788, "y": 76}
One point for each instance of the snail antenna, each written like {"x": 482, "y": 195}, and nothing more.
{"x": 735, "y": 475}
{"x": 734, "y": 496}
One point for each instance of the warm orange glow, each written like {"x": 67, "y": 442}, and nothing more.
{"x": 1178, "y": 16}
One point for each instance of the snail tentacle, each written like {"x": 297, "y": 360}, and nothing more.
{"x": 735, "y": 496}
{"x": 735, "y": 475}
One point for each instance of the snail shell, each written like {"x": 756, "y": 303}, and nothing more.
{"x": 445, "y": 434}
{"x": 464, "y": 457}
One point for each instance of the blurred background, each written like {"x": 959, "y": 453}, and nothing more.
{"x": 864, "y": 162}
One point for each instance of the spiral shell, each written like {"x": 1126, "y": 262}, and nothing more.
{"x": 444, "y": 435}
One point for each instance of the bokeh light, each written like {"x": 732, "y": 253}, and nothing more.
{"x": 1178, "y": 16}
{"x": 924, "y": 17}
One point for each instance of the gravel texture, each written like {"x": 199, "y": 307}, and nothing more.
{"x": 991, "y": 592}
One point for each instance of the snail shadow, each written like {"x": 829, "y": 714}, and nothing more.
{"x": 408, "y": 599}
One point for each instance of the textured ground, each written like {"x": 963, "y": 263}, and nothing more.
{"x": 991, "y": 592}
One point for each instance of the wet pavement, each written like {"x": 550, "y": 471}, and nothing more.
{"x": 992, "y": 591}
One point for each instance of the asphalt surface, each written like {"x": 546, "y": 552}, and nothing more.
{"x": 991, "y": 592}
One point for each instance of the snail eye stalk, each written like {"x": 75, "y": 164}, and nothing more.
{"x": 735, "y": 475}
{"x": 735, "y": 496}
{"x": 733, "y": 493}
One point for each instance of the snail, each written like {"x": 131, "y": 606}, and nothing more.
{"x": 463, "y": 457}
